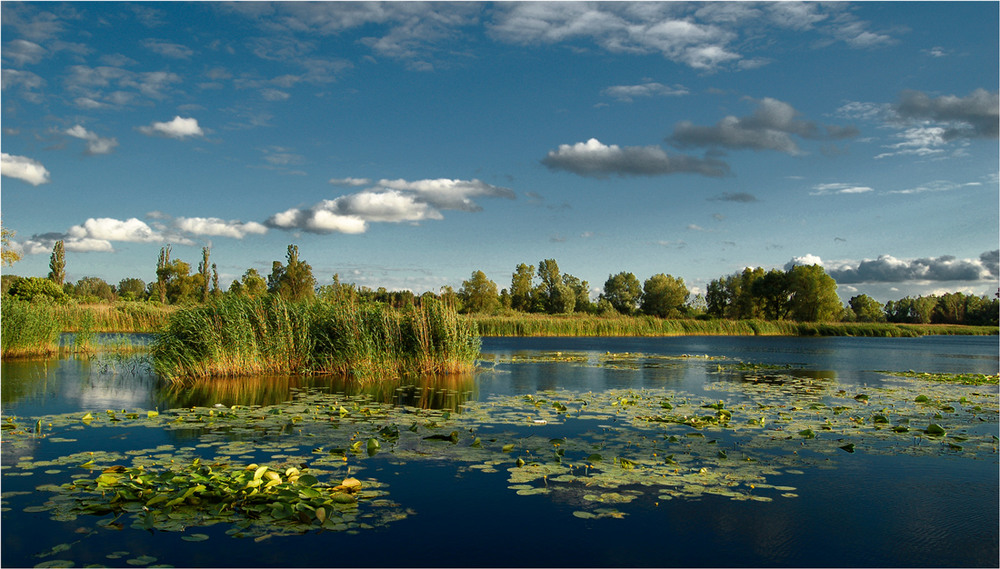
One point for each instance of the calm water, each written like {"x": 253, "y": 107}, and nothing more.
{"x": 847, "y": 509}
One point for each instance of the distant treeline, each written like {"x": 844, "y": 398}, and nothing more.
{"x": 799, "y": 294}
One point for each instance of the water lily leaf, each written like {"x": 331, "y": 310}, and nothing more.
{"x": 935, "y": 430}
{"x": 849, "y": 447}
{"x": 195, "y": 537}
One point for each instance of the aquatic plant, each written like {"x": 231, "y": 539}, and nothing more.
{"x": 520, "y": 324}
{"x": 237, "y": 336}
{"x": 27, "y": 329}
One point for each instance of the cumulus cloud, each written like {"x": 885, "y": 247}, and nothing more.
{"x": 23, "y": 168}
{"x": 889, "y": 269}
{"x": 771, "y": 127}
{"x": 617, "y": 28}
{"x": 976, "y": 115}
{"x": 350, "y": 181}
{"x": 218, "y": 227}
{"x": 95, "y": 144}
{"x": 598, "y": 160}
{"x": 805, "y": 260}
{"x": 179, "y": 128}
{"x": 627, "y": 93}
{"x": 110, "y": 229}
{"x": 388, "y": 201}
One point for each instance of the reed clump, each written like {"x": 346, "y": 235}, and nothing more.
{"x": 28, "y": 329}
{"x": 239, "y": 336}
{"x": 122, "y": 316}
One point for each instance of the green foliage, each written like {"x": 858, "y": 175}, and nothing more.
{"x": 866, "y": 309}
{"x": 293, "y": 281}
{"x": 36, "y": 289}
{"x": 479, "y": 294}
{"x": 8, "y": 256}
{"x": 813, "y": 294}
{"x": 236, "y": 336}
{"x": 623, "y": 291}
{"x": 93, "y": 289}
{"x": 57, "y": 263}
{"x": 28, "y": 329}
{"x": 521, "y": 287}
{"x": 663, "y": 296}
{"x": 131, "y": 289}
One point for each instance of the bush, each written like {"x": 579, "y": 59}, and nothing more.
{"x": 35, "y": 289}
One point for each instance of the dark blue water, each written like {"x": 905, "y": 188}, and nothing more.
{"x": 871, "y": 510}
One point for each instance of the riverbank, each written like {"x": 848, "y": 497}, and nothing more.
{"x": 586, "y": 325}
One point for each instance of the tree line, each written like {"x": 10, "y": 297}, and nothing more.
{"x": 803, "y": 293}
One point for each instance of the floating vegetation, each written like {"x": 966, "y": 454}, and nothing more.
{"x": 962, "y": 378}
{"x": 255, "y": 499}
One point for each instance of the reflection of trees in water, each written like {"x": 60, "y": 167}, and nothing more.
{"x": 791, "y": 381}
{"x": 446, "y": 392}
{"x": 91, "y": 380}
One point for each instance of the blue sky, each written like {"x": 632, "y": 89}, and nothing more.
{"x": 407, "y": 145}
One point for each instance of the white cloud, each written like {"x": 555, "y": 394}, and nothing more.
{"x": 806, "y": 260}
{"x": 627, "y": 93}
{"x": 219, "y": 227}
{"x": 110, "y": 229}
{"x": 838, "y": 188}
{"x": 23, "y": 168}
{"x": 388, "y": 201}
{"x": 95, "y": 144}
{"x": 595, "y": 159}
{"x": 177, "y": 128}
{"x": 889, "y": 269}
{"x": 168, "y": 49}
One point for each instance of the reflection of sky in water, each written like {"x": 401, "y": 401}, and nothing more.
{"x": 875, "y": 509}
{"x": 37, "y": 387}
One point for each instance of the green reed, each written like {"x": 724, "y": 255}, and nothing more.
{"x": 28, "y": 329}
{"x": 120, "y": 316}
{"x": 237, "y": 336}
{"x": 587, "y": 325}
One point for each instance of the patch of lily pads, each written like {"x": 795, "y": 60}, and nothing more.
{"x": 298, "y": 466}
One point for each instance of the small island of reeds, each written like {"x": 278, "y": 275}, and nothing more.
{"x": 239, "y": 336}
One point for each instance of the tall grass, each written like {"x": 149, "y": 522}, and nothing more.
{"x": 28, "y": 329}
{"x": 585, "y": 325}
{"x": 236, "y": 336}
{"x": 117, "y": 317}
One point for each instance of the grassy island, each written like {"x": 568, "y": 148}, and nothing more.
{"x": 240, "y": 336}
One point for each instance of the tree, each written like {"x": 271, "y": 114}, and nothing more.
{"x": 252, "y": 284}
{"x": 35, "y": 289}
{"x": 623, "y": 292}
{"x": 521, "y": 288}
{"x": 772, "y": 292}
{"x": 131, "y": 289}
{"x": 8, "y": 255}
{"x": 203, "y": 270}
{"x": 866, "y": 309}
{"x": 163, "y": 273}
{"x": 663, "y": 296}
{"x": 813, "y": 294}
{"x": 215, "y": 282}
{"x": 294, "y": 280}
{"x": 548, "y": 273}
{"x": 57, "y": 263}
{"x": 581, "y": 292}
{"x": 94, "y": 288}
{"x": 479, "y": 294}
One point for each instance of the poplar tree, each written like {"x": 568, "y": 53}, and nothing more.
{"x": 163, "y": 273}
{"x": 57, "y": 263}
{"x": 203, "y": 268}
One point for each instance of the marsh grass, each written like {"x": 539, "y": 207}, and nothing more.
{"x": 585, "y": 325}
{"x": 117, "y": 317}
{"x": 237, "y": 336}
{"x": 27, "y": 329}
